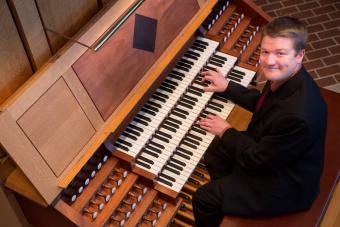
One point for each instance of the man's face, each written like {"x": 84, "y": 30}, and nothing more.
{"x": 278, "y": 59}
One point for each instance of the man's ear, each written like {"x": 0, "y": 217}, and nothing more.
{"x": 300, "y": 55}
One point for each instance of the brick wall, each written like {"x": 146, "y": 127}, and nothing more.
{"x": 322, "y": 18}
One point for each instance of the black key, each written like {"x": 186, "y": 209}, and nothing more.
{"x": 185, "y": 151}
{"x": 158, "y": 98}
{"x": 208, "y": 112}
{"x": 236, "y": 75}
{"x": 217, "y": 60}
{"x": 216, "y": 104}
{"x": 121, "y": 146}
{"x": 239, "y": 72}
{"x": 201, "y": 131}
{"x": 162, "y": 95}
{"x": 151, "y": 153}
{"x": 174, "y": 120}
{"x": 190, "y": 56}
{"x": 175, "y": 77}
{"x": 156, "y": 105}
{"x": 215, "y": 63}
{"x": 181, "y": 103}
{"x": 194, "y": 53}
{"x": 172, "y": 170}
{"x": 191, "y": 141}
{"x": 129, "y": 136}
{"x": 179, "y": 115}
{"x": 191, "y": 98}
{"x": 173, "y": 165}
{"x": 189, "y": 145}
{"x": 157, "y": 145}
{"x": 197, "y": 45}
{"x": 195, "y": 137}
{"x": 146, "y": 160}
{"x": 167, "y": 177}
{"x": 197, "y": 48}
{"x": 140, "y": 121}
{"x": 214, "y": 108}
{"x": 165, "y": 89}
{"x": 178, "y": 161}
{"x": 202, "y": 42}
{"x": 209, "y": 67}
{"x": 169, "y": 128}
{"x": 147, "y": 106}
{"x": 171, "y": 82}
{"x": 171, "y": 124}
{"x": 187, "y": 61}
{"x": 153, "y": 148}
{"x": 148, "y": 111}
{"x": 220, "y": 57}
{"x": 143, "y": 117}
{"x": 143, "y": 164}
{"x": 196, "y": 89}
{"x": 180, "y": 63}
{"x": 162, "y": 138}
{"x": 164, "y": 181}
{"x": 182, "y": 68}
{"x": 200, "y": 83}
{"x": 164, "y": 134}
{"x": 194, "y": 92}
{"x": 181, "y": 111}
{"x": 178, "y": 73}
{"x": 234, "y": 78}
{"x": 124, "y": 142}
{"x": 129, "y": 130}
{"x": 136, "y": 128}
{"x": 182, "y": 155}
{"x": 189, "y": 102}
{"x": 169, "y": 86}
{"x": 220, "y": 98}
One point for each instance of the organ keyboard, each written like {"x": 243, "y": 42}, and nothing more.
{"x": 113, "y": 144}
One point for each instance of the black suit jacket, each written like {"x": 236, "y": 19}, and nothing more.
{"x": 279, "y": 158}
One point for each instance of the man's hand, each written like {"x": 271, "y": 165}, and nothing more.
{"x": 218, "y": 82}
{"x": 214, "y": 124}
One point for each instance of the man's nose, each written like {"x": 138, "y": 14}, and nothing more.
{"x": 270, "y": 59}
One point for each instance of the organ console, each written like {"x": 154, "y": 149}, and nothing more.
{"x": 109, "y": 137}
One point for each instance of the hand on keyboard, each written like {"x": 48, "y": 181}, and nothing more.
{"x": 218, "y": 82}
{"x": 214, "y": 124}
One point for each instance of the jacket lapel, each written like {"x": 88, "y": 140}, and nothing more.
{"x": 283, "y": 92}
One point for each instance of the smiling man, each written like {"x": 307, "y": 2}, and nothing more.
{"x": 273, "y": 167}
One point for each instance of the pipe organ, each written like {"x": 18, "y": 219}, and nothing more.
{"x": 108, "y": 137}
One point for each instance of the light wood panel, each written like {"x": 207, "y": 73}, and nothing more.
{"x": 65, "y": 17}
{"x": 15, "y": 67}
{"x": 32, "y": 32}
{"x": 57, "y": 126}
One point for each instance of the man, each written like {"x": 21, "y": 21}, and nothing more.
{"x": 273, "y": 167}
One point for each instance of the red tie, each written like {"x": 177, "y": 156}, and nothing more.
{"x": 262, "y": 98}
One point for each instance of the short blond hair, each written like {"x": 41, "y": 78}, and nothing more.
{"x": 288, "y": 27}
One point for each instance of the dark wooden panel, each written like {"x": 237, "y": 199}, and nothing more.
{"x": 111, "y": 73}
